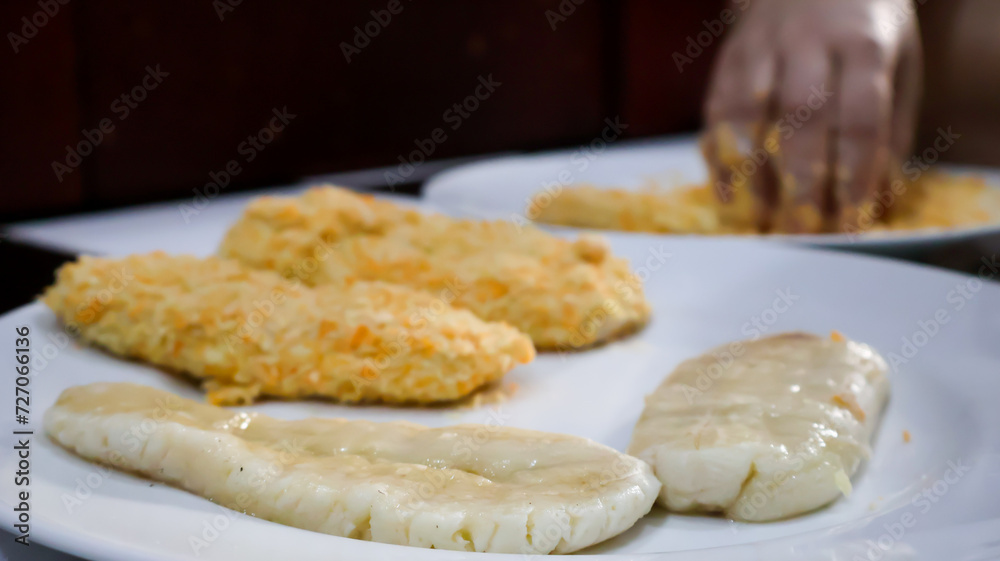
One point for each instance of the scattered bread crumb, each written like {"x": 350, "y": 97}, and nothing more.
{"x": 906, "y": 436}
{"x": 836, "y": 336}
{"x": 934, "y": 201}
{"x": 848, "y": 402}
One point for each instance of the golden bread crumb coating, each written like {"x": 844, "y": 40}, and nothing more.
{"x": 564, "y": 294}
{"x": 932, "y": 201}
{"x": 248, "y": 333}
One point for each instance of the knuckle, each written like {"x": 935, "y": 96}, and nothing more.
{"x": 866, "y": 94}
{"x": 855, "y": 130}
{"x": 796, "y": 96}
{"x": 810, "y": 173}
{"x": 732, "y": 53}
{"x": 715, "y": 109}
{"x": 866, "y": 47}
{"x": 731, "y": 105}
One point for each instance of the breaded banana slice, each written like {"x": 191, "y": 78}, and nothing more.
{"x": 466, "y": 487}
{"x": 563, "y": 294}
{"x": 762, "y": 430}
{"x": 248, "y": 333}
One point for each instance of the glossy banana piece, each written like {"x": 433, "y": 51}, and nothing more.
{"x": 465, "y": 487}
{"x": 762, "y": 430}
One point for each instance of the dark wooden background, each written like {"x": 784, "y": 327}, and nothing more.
{"x": 605, "y": 59}
{"x": 230, "y": 62}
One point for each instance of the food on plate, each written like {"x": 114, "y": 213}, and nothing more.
{"x": 940, "y": 200}
{"x": 652, "y": 209}
{"x": 563, "y": 294}
{"x": 764, "y": 429}
{"x": 933, "y": 200}
{"x": 465, "y": 487}
{"x": 248, "y": 333}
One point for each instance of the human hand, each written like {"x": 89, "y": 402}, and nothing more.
{"x": 817, "y": 99}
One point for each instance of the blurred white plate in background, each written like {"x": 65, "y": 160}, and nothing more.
{"x": 501, "y": 188}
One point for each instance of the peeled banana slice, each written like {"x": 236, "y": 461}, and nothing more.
{"x": 762, "y": 430}
{"x": 465, "y": 487}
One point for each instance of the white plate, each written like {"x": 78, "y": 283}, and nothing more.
{"x": 175, "y": 226}
{"x": 501, "y": 188}
{"x": 705, "y": 293}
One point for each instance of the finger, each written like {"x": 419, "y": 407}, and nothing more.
{"x": 742, "y": 81}
{"x": 802, "y": 122}
{"x": 863, "y": 134}
{"x": 736, "y": 106}
{"x": 907, "y": 90}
